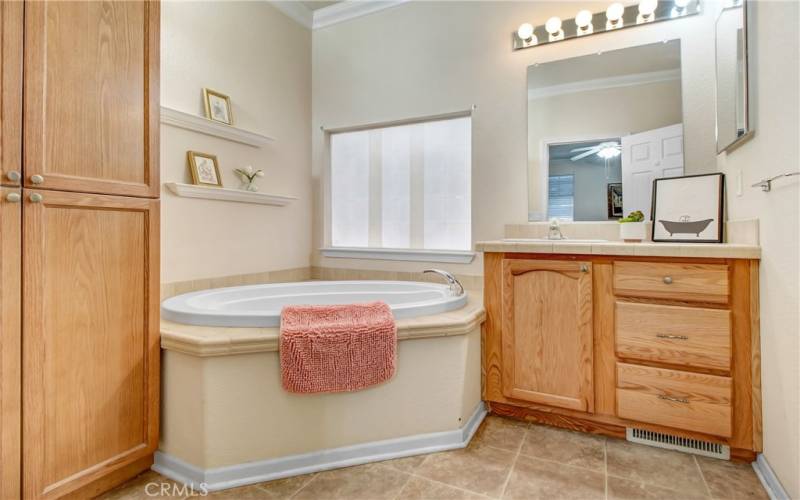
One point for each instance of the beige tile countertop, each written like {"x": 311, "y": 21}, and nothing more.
{"x": 206, "y": 341}
{"x": 644, "y": 249}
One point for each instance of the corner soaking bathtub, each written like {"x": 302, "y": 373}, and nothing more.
{"x": 260, "y": 305}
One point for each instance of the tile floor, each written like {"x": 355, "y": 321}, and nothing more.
{"x": 506, "y": 459}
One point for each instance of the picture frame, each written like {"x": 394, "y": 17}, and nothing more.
{"x": 614, "y": 200}
{"x": 217, "y": 106}
{"x": 204, "y": 169}
{"x": 688, "y": 209}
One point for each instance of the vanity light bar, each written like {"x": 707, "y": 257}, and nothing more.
{"x": 617, "y": 16}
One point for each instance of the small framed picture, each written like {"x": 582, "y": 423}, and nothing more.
{"x": 615, "y": 200}
{"x": 218, "y": 106}
{"x": 688, "y": 209}
{"x": 204, "y": 169}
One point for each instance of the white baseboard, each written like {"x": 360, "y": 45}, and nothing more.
{"x": 768, "y": 478}
{"x": 266, "y": 470}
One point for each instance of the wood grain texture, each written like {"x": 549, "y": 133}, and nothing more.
{"x": 605, "y": 367}
{"x": 573, "y": 423}
{"x": 743, "y": 356}
{"x": 94, "y": 66}
{"x": 91, "y": 354}
{"x": 492, "y": 331}
{"x": 10, "y": 344}
{"x": 11, "y": 29}
{"x": 111, "y": 480}
{"x": 688, "y": 336}
{"x": 690, "y": 282}
{"x": 755, "y": 357}
{"x": 745, "y": 367}
{"x": 547, "y": 333}
{"x": 697, "y": 402}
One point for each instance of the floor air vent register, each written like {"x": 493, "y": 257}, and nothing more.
{"x": 686, "y": 445}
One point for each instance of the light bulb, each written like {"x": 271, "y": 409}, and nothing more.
{"x": 614, "y": 12}
{"x": 583, "y": 19}
{"x": 553, "y": 25}
{"x": 647, "y": 7}
{"x": 525, "y": 31}
{"x": 608, "y": 152}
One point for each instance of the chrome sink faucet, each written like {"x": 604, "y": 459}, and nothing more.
{"x": 555, "y": 230}
{"x": 456, "y": 289}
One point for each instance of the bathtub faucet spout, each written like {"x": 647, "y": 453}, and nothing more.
{"x": 456, "y": 288}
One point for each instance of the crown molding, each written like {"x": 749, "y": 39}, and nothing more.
{"x": 296, "y": 11}
{"x": 605, "y": 83}
{"x": 333, "y": 14}
{"x": 351, "y": 9}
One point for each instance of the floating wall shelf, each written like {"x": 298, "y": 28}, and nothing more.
{"x": 224, "y": 194}
{"x": 205, "y": 126}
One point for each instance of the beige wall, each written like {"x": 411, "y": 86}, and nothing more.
{"x": 262, "y": 59}
{"x": 772, "y": 151}
{"x": 596, "y": 114}
{"x": 424, "y": 58}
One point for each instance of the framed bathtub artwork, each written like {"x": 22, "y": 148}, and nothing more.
{"x": 218, "y": 106}
{"x": 688, "y": 209}
{"x": 204, "y": 169}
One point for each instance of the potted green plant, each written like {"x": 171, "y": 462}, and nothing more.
{"x": 632, "y": 228}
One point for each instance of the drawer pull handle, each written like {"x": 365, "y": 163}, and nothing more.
{"x": 674, "y": 400}
{"x": 667, "y": 280}
{"x": 671, "y": 337}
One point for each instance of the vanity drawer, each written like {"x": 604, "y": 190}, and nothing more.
{"x": 683, "y": 400}
{"x": 690, "y": 336}
{"x": 686, "y": 282}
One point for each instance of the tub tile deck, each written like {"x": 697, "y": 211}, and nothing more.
{"x": 206, "y": 341}
{"x": 507, "y": 459}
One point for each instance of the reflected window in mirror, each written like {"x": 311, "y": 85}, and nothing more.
{"x": 613, "y": 121}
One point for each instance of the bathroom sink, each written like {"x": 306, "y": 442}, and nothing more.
{"x": 545, "y": 240}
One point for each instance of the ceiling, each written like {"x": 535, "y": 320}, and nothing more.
{"x": 318, "y": 4}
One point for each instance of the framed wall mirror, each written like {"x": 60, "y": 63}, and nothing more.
{"x": 601, "y": 128}
{"x": 732, "y": 99}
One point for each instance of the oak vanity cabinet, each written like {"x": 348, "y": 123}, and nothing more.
{"x": 547, "y": 333}
{"x": 607, "y": 343}
{"x": 79, "y": 255}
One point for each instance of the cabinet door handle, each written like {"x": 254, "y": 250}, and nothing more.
{"x": 674, "y": 400}
{"x": 37, "y": 179}
{"x": 36, "y": 198}
{"x": 584, "y": 268}
{"x": 13, "y": 176}
{"x": 667, "y": 280}
{"x": 671, "y": 337}
{"x": 13, "y": 197}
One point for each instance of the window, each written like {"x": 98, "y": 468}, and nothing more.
{"x": 561, "y": 197}
{"x": 403, "y": 187}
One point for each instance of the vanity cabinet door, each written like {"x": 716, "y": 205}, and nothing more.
{"x": 547, "y": 333}
{"x": 91, "y": 110}
{"x": 90, "y": 356}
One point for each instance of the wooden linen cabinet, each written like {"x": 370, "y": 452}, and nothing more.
{"x": 79, "y": 247}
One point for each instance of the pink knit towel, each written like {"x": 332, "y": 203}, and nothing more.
{"x": 337, "y": 348}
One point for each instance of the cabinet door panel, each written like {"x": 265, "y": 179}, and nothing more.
{"x": 547, "y": 333}
{"x": 91, "y": 353}
{"x": 11, "y": 26}
{"x": 10, "y": 342}
{"x": 91, "y": 96}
